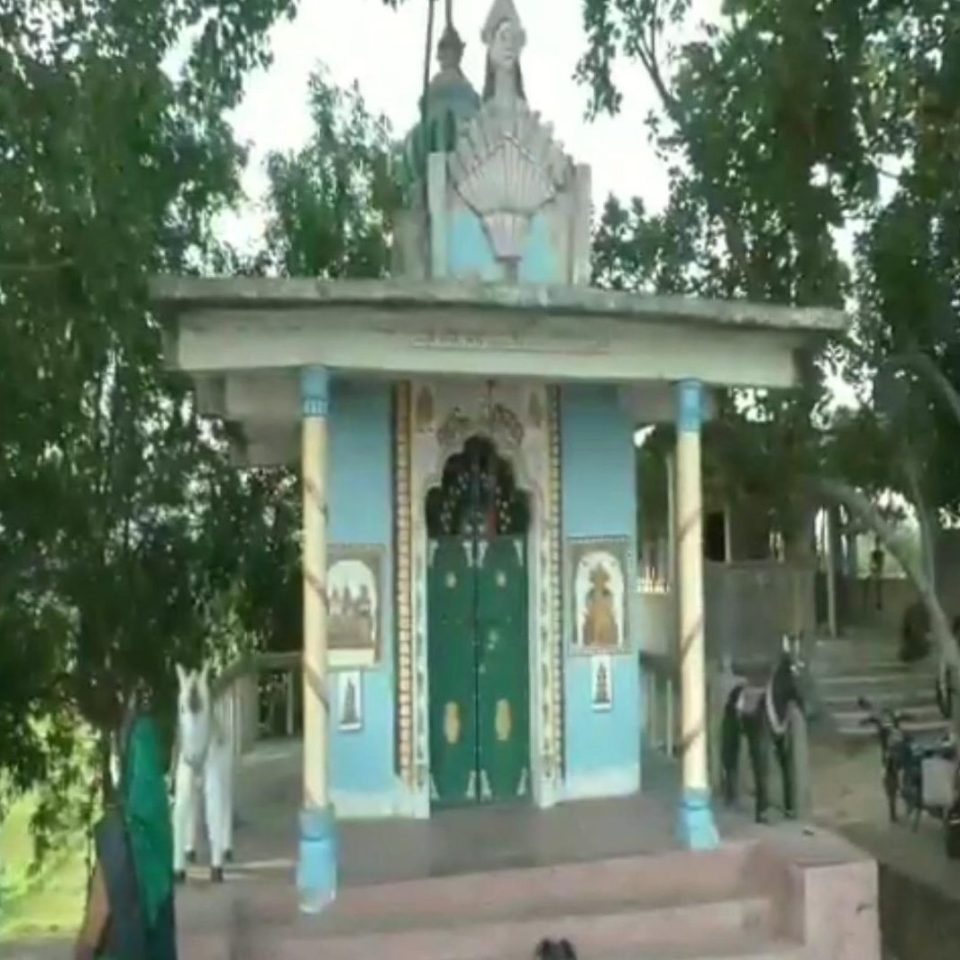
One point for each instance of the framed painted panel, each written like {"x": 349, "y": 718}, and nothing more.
{"x": 601, "y": 682}
{"x": 349, "y": 701}
{"x": 598, "y": 594}
{"x": 355, "y": 613}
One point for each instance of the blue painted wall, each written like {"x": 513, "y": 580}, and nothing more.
{"x": 599, "y": 500}
{"x": 540, "y": 263}
{"x": 361, "y": 512}
{"x": 469, "y": 254}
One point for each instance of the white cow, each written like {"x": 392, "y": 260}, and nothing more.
{"x": 204, "y": 765}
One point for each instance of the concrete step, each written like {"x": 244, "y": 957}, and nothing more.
{"x": 743, "y": 948}
{"x": 890, "y": 642}
{"x": 650, "y": 881}
{"x": 919, "y": 713}
{"x": 845, "y": 670}
{"x": 889, "y": 680}
{"x": 922, "y": 728}
{"x": 739, "y": 948}
{"x": 673, "y": 905}
{"x": 690, "y": 927}
{"x": 840, "y": 651}
{"x": 876, "y": 687}
{"x": 915, "y": 709}
{"x": 848, "y": 701}
{"x": 828, "y": 666}
{"x": 744, "y": 901}
{"x": 857, "y": 648}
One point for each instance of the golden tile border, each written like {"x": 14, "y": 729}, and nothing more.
{"x": 405, "y": 684}
{"x": 556, "y": 592}
{"x": 418, "y": 462}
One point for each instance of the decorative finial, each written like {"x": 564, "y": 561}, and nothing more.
{"x": 450, "y": 50}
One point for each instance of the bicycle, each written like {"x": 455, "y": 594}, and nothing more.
{"x": 909, "y": 766}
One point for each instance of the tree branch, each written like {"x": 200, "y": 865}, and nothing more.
{"x": 647, "y": 54}
{"x": 859, "y": 506}
{"x": 923, "y": 514}
{"x": 924, "y": 365}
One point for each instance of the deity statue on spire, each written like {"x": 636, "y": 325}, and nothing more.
{"x": 507, "y": 166}
{"x": 504, "y": 37}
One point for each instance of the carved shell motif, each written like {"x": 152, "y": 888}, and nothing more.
{"x": 506, "y": 166}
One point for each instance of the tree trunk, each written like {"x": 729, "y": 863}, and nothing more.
{"x": 799, "y": 553}
{"x": 749, "y": 535}
{"x": 929, "y": 531}
{"x": 107, "y": 786}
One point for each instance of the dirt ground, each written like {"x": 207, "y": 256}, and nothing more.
{"x": 846, "y": 783}
{"x": 847, "y": 796}
{"x": 920, "y": 887}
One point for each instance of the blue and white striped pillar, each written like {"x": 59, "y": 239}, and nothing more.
{"x": 317, "y": 863}
{"x": 698, "y": 830}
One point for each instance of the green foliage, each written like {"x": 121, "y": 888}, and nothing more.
{"x": 909, "y": 255}
{"x": 129, "y": 540}
{"x": 270, "y": 605}
{"x": 332, "y": 203}
{"x": 634, "y": 250}
{"x": 116, "y": 504}
{"x": 781, "y": 125}
{"x": 330, "y": 213}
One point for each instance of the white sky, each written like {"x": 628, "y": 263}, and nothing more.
{"x": 383, "y": 50}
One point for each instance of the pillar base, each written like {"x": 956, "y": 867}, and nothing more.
{"x": 697, "y": 827}
{"x": 317, "y": 864}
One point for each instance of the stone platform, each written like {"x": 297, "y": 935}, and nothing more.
{"x": 794, "y": 895}
{"x": 454, "y": 841}
{"x": 489, "y": 883}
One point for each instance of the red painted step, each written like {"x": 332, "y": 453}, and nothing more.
{"x": 447, "y": 938}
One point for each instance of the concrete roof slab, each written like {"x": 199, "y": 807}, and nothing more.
{"x": 179, "y": 294}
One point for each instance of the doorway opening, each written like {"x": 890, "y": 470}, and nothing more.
{"x": 477, "y": 624}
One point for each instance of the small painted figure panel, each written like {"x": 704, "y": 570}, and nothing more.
{"x": 599, "y": 595}
{"x": 349, "y": 700}
{"x": 601, "y": 683}
{"x": 354, "y": 575}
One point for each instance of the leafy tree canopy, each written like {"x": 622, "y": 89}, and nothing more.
{"x": 783, "y": 127}
{"x": 117, "y": 507}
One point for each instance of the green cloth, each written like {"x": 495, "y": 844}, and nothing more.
{"x": 146, "y": 813}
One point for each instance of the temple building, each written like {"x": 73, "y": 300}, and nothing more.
{"x": 466, "y": 435}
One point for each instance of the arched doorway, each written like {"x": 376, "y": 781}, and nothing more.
{"x": 477, "y": 623}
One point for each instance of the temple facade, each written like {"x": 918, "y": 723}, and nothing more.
{"x": 466, "y": 436}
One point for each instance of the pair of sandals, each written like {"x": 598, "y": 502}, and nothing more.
{"x": 555, "y": 950}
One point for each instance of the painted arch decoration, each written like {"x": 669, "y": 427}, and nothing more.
{"x": 434, "y": 421}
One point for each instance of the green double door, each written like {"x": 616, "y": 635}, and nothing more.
{"x": 478, "y": 670}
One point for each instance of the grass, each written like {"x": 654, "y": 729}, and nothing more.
{"x": 45, "y": 904}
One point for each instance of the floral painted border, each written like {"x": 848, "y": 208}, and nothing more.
{"x": 430, "y": 422}
{"x": 404, "y": 618}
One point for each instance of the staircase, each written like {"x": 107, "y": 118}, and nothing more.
{"x": 867, "y": 665}
{"x": 811, "y": 897}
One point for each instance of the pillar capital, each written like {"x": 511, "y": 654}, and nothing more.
{"x": 689, "y": 405}
{"x": 315, "y": 391}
